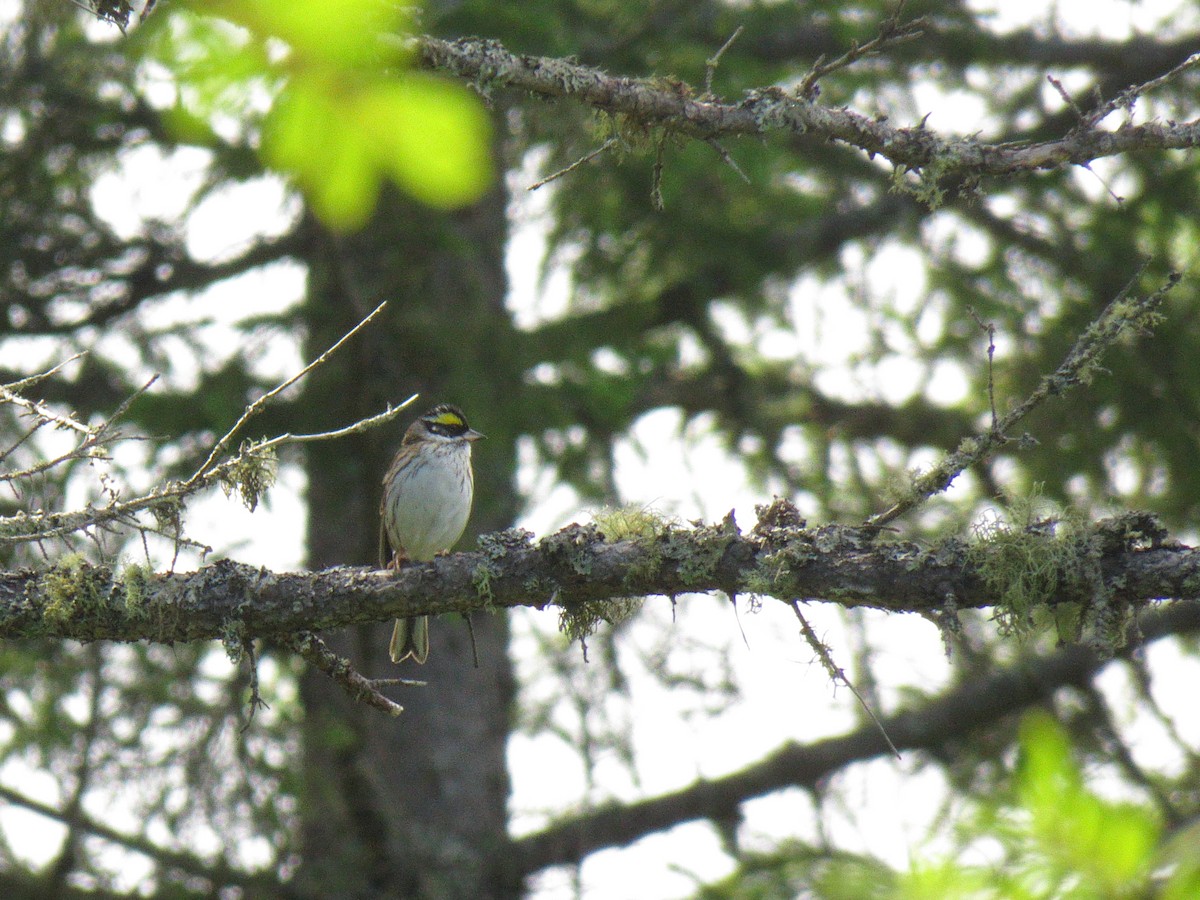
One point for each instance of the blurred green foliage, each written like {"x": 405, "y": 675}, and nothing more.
{"x": 341, "y": 111}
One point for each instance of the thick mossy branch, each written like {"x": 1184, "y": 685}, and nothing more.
{"x": 1118, "y": 561}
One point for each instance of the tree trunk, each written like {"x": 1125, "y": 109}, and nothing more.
{"x": 415, "y": 806}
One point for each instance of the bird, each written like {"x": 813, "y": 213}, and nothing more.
{"x": 426, "y": 503}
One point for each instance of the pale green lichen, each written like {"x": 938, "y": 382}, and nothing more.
{"x": 788, "y": 544}
{"x": 134, "y": 580}
{"x": 72, "y": 586}
{"x": 698, "y": 551}
{"x": 575, "y": 544}
{"x": 1023, "y": 554}
{"x": 496, "y": 547}
{"x": 636, "y": 523}
{"x": 1034, "y": 558}
{"x": 631, "y": 522}
{"x": 481, "y": 580}
{"x": 579, "y": 619}
{"x": 233, "y": 639}
{"x": 251, "y": 473}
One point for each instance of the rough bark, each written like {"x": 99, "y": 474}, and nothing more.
{"x": 675, "y": 105}
{"x": 1123, "y": 560}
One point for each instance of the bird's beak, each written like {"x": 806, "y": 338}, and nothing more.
{"x": 473, "y": 435}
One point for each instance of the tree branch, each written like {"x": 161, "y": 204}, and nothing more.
{"x": 218, "y": 872}
{"x": 676, "y": 106}
{"x": 230, "y": 601}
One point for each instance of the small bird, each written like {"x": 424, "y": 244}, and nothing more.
{"x": 426, "y": 503}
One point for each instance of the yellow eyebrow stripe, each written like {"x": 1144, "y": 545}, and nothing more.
{"x": 447, "y": 418}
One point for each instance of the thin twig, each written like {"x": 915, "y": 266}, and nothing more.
{"x": 471, "y": 631}
{"x": 42, "y": 411}
{"x": 360, "y": 688}
{"x": 710, "y": 64}
{"x": 256, "y": 700}
{"x": 656, "y": 197}
{"x": 37, "y": 426}
{"x": 217, "y": 873}
{"x": 892, "y": 32}
{"x": 120, "y": 411}
{"x": 1066, "y": 97}
{"x": 37, "y": 526}
{"x": 607, "y": 145}
{"x": 23, "y": 527}
{"x": 837, "y": 674}
{"x": 94, "y": 436}
{"x": 256, "y": 407}
{"x": 1130, "y": 95}
{"x": 1086, "y": 122}
{"x": 30, "y": 380}
{"x": 406, "y": 682}
{"x": 990, "y": 330}
{"x": 727, "y": 159}
{"x": 361, "y": 425}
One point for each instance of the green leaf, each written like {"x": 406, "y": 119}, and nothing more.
{"x": 310, "y": 136}
{"x": 345, "y": 33}
{"x": 342, "y": 119}
{"x": 431, "y": 135}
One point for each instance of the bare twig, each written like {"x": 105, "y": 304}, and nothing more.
{"x": 37, "y": 426}
{"x": 254, "y": 408}
{"x": 892, "y": 32}
{"x": 406, "y": 682}
{"x": 990, "y": 330}
{"x": 44, "y": 413}
{"x": 710, "y": 64}
{"x": 218, "y": 872}
{"x": 1085, "y": 121}
{"x": 656, "y": 197}
{"x": 359, "y": 426}
{"x": 256, "y": 701}
{"x": 24, "y": 527}
{"x": 1066, "y": 97}
{"x": 607, "y": 145}
{"x": 36, "y": 526}
{"x": 1130, "y": 95}
{"x": 94, "y": 437}
{"x": 837, "y": 674}
{"x": 30, "y": 380}
{"x": 728, "y": 160}
{"x": 362, "y": 689}
{"x": 120, "y": 411}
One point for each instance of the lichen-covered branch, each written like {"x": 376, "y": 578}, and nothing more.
{"x": 583, "y": 572}
{"x": 362, "y": 689}
{"x": 678, "y": 107}
{"x": 1126, "y": 312}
